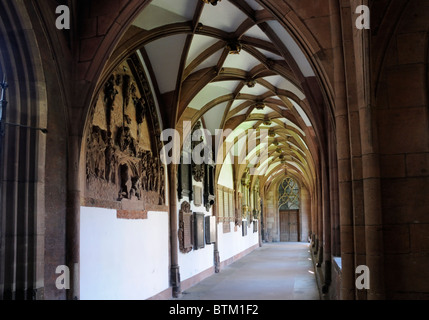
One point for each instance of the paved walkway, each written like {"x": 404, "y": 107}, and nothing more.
{"x": 277, "y": 271}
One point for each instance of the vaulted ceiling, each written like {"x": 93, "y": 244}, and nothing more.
{"x": 233, "y": 66}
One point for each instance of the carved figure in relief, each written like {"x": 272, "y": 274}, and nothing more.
{"x": 145, "y": 170}
{"x": 149, "y": 178}
{"x": 125, "y": 141}
{"x": 125, "y": 182}
{"x": 155, "y": 174}
{"x": 110, "y": 94}
{"x": 90, "y": 159}
{"x": 111, "y": 159}
{"x": 138, "y": 188}
{"x": 139, "y": 104}
{"x": 162, "y": 186}
{"x": 135, "y": 190}
{"x": 126, "y": 89}
{"x": 144, "y": 178}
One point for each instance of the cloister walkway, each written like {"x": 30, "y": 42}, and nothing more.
{"x": 276, "y": 271}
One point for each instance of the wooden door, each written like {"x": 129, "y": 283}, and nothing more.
{"x": 284, "y": 226}
{"x": 293, "y": 226}
{"x": 289, "y": 226}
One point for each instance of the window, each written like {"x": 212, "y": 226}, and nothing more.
{"x": 289, "y": 195}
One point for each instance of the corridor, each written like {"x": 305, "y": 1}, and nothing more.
{"x": 277, "y": 271}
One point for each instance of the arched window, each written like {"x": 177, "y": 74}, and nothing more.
{"x": 289, "y": 195}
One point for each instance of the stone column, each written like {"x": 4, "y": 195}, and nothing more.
{"x": 333, "y": 193}
{"x": 174, "y": 249}
{"x": 216, "y": 256}
{"x": 372, "y": 203}
{"x": 3, "y": 105}
{"x": 73, "y": 218}
{"x": 320, "y": 219}
{"x": 326, "y": 227}
{"x": 314, "y": 217}
{"x": 305, "y": 214}
{"x": 343, "y": 156}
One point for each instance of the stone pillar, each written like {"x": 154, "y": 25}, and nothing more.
{"x": 333, "y": 194}
{"x": 305, "y": 214}
{"x": 371, "y": 169}
{"x": 372, "y": 205}
{"x": 326, "y": 227}
{"x": 314, "y": 218}
{"x": 3, "y": 105}
{"x": 216, "y": 256}
{"x": 320, "y": 219}
{"x": 73, "y": 218}
{"x": 343, "y": 156}
{"x": 175, "y": 269}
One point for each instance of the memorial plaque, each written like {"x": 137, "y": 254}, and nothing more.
{"x": 220, "y": 206}
{"x": 210, "y": 230}
{"x": 184, "y": 180}
{"x": 187, "y": 231}
{"x": 209, "y": 187}
{"x": 199, "y": 241}
{"x": 255, "y": 226}
{"x": 226, "y": 227}
{"x": 244, "y": 228}
{"x": 198, "y": 196}
{"x": 225, "y": 204}
{"x": 185, "y": 228}
{"x": 231, "y": 203}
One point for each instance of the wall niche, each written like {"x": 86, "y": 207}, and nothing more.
{"x": 123, "y": 166}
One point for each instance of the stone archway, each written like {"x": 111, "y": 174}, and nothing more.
{"x": 23, "y": 180}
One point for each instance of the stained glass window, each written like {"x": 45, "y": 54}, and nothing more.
{"x": 289, "y": 195}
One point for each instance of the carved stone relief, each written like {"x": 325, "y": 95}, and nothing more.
{"x": 123, "y": 170}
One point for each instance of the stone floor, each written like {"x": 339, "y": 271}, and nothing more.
{"x": 277, "y": 271}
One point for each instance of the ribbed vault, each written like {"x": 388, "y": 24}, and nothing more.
{"x": 236, "y": 68}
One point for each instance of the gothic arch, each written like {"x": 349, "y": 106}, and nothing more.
{"x": 23, "y": 162}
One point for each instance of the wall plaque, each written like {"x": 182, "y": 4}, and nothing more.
{"x": 221, "y": 213}
{"x": 199, "y": 239}
{"x": 244, "y": 228}
{"x": 210, "y": 230}
{"x": 226, "y": 227}
{"x": 255, "y": 226}
{"x": 198, "y": 196}
{"x": 184, "y": 179}
{"x": 186, "y": 226}
{"x": 209, "y": 187}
